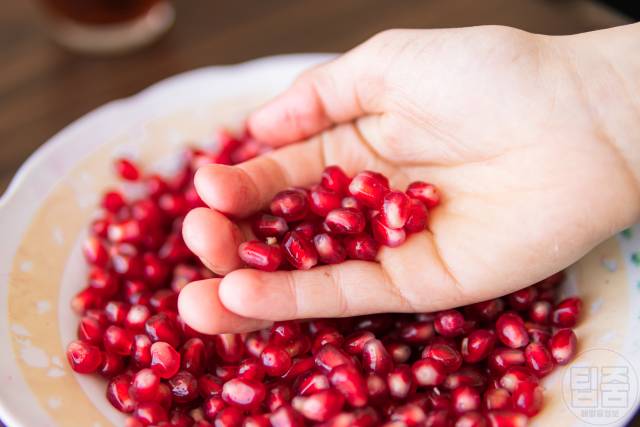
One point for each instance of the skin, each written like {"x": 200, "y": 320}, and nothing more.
{"x": 530, "y": 139}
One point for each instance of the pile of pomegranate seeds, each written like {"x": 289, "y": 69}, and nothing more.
{"x": 337, "y": 219}
{"x": 478, "y": 365}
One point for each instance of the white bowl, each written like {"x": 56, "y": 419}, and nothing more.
{"x": 45, "y": 212}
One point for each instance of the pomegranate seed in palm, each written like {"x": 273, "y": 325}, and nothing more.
{"x": 361, "y": 246}
{"x": 323, "y": 201}
{"x": 426, "y": 193}
{"x": 265, "y": 225}
{"x": 369, "y": 188}
{"x": 417, "y": 217}
{"x": 292, "y": 205}
{"x": 386, "y": 235}
{"x": 395, "y": 209}
{"x": 329, "y": 249}
{"x": 345, "y": 221}
{"x": 333, "y": 178}
{"x": 299, "y": 251}
{"x": 260, "y": 255}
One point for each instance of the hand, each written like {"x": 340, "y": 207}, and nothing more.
{"x": 533, "y": 172}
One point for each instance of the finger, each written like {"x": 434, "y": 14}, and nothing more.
{"x": 243, "y": 189}
{"x": 335, "y": 92}
{"x": 348, "y": 289}
{"x": 200, "y": 308}
{"x": 213, "y": 238}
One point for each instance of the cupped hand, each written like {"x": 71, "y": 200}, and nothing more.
{"x": 501, "y": 120}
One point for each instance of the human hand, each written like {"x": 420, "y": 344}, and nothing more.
{"x": 527, "y": 137}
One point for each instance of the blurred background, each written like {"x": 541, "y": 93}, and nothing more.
{"x": 44, "y": 86}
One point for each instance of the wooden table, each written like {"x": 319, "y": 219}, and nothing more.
{"x": 43, "y": 87}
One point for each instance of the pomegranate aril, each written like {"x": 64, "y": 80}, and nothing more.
{"x": 86, "y": 299}
{"x": 465, "y": 399}
{"x": 128, "y": 231}
{"x": 164, "y": 300}
{"x": 126, "y": 169}
{"x": 251, "y": 369}
{"x": 278, "y": 395}
{"x": 333, "y": 178}
{"x": 83, "y": 357}
{"x": 260, "y": 255}
{"x": 226, "y": 372}
{"x": 112, "y": 365}
{"x": 444, "y": 353}
{"x": 527, "y": 398}
{"x": 345, "y": 221}
{"x": 275, "y": 359}
{"x": 449, "y": 323}
{"x": 329, "y": 249}
{"x": 299, "y": 251}
{"x": 538, "y": 359}
{"x": 354, "y": 343}
{"x": 286, "y": 416}
{"x": 409, "y": 415}
{"x": 417, "y": 332}
{"x": 260, "y": 420}
{"x": 209, "y": 386}
{"x": 145, "y": 386}
{"x": 478, "y": 345}
{"x": 540, "y": 312}
{"x": 429, "y": 372}
{"x": 117, "y": 340}
{"x": 400, "y": 352}
{"x": 184, "y": 387}
{"x": 395, "y": 209}
{"x": 180, "y": 419}
{"x": 229, "y": 347}
{"x": 369, "y": 188}
{"x": 159, "y": 327}
{"x": 151, "y": 413}
{"x": 566, "y": 312}
{"x": 522, "y": 299}
{"x": 323, "y": 201}
{"x": 487, "y": 310}
{"x": 284, "y": 332}
{"x": 400, "y": 382}
{"x": 426, "y": 193}
{"x": 311, "y": 383}
{"x": 375, "y": 357}
{"x": 298, "y": 367}
{"x": 471, "y": 419}
{"x": 165, "y": 360}
{"x": 506, "y": 419}
{"x": 118, "y": 393}
{"x": 361, "y": 246}
{"x": 417, "y": 217}
{"x": 192, "y": 356}
{"x": 515, "y": 376}
{"x": 511, "y": 331}
{"x": 348, "y": 381}
{"x": 468, "y": 375}
{"x": 90, "y": 331}
{"x": 292, "y": 204}
{"x": 320, "y": 406}
{"x": 113, "y": 201}
{"x": 497, "y": 399}
{"x": 265, "y": 225}
{"x": 95, "y": 252}
{"x": 377, "y": 388}
{"x": 136, "y": 318}
{"x": 563, "y": 345}
{"x": 385, "y": 235}
{"x": 503, "y": 358}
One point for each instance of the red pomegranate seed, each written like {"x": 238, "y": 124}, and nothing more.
{"x": 468, "y": 375}
{"x": 180, "y": 419}
{"x": 90, "y": 330}
{"x": 136, "y": 318}
{"x": 118, "y": 393}
{"x": 285, "y": 416}
{"x": 385, "y": 235}
{"x": 94, "y": 252}
{"x": 540, "y": 312}
{"x": 299, "y": 345}
{"x": 417, "y": 217}
{"x": 260, "y": 255}
{"x": 566, "y": 313}
{"x": 506, "y": 419}
{"x": 260, "y": 420}
{"x": 275, "y": 359}
{"x": 375, "y": 357}
{"x": 515, "y": 376}
{"x": 333, "y": 178}
{"x": 151, "y": 413}
{"x": 400, "y": 382}
{"x": 511, "y": 331}
{"x": 361, "y": 246}
{"x": 229, "y": 347}
{"x": 251, "y": 369}
{"x": 369, "y": 188}
{"x": 377, "y": 388}
{"x": 184, "y": 387}
{"x": 212, "y": 407}
{"x": 117, "y": 340}
{"x": 395, "y": 209}
{"x": 86, "y": 299}
{"x": 320, "y": 406}
{"x": 497, "y": 399}
{"x": 164, "y": 300}
{"x": 99, "y": 227}
{"x": 126, "y": 169}
{"x": 348, "y": 381}
{"x": 145, "y": 386}
{"x": 308, "y": 229}
{"x": 226, "y": 372}
{"x": 426, "y": 193}
{"x": 345, "y": 221}
{"x": 323, "y": 201}
{"x": 311, "y": 382}
{"x": 527, "y": 398}
{"x": 277, "y": 396}
{"x": 165, "y": 360}
{"x": 417, "y": 332}
{"x": 503, "y": 358}
{"x": 522, "y": 299}
{"x": 409, "y": 415}
{"x": 112, "y": 365}
{"x": 449, "y": 323}
{"x": 209, "y": 386}
{"x": 465, "y": 399}
{"x": 141, "y": 352}
{"x": 478, "y": 345}
{"x": 192, "y": 356}
{"x": 229, "y": 417}
{"x": 429, "y": 372}
{"x": 83, "y": 357}
{"x": 113, "y": 201}
{"x": 351, "y": 203}
{"x": 255, "y": 344}
{"x": 292, "y": 205}
{"x": 471, "y": 419}
{"x": 265, "y": 225}
{"x": 355, "y": 342}
{"x": 159, "y": 327}
{"x": 438, "y": 418}
{"x": 538, "y": 333}
{"x": 563, "y": 345}
{"x": 329, "y": 249}
{"x": 164, "y": 397}
{"x": 299, "y": 251}
{"x": 298, "y": 367}
{"x": 487, "y": 310}
{"x": 400, "y": 352}
{"x": 128, "y": 231}
{"x": 538, "y": 358}
{"x": 284, "y": 332}
{"x": 444, "y": 353}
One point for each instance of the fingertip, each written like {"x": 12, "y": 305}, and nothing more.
{"x": 200, "y": 307}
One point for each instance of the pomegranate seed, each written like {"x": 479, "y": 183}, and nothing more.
{"x": 511, "y": 331}
{"x": 118, "y": 394}
{"x": 409, "y": 415}
{"x": 351, "y": 203}
{"x": 192, "y": 356}
{"x": 229, "y": 417}
{"x": 566, "y": 312}
{"x": 212, "y": 407}
{"x": 112, "y": 201}
{"x": 449, "y": 323}
{"x": 400, "y": 352}
{"x": 260, "y": 255}
{"x": 497, "y": 399}
{"x": 255, "y": 344}
{"x": 151, "y": 413}
{"x": 515, "y": 376}
{"x": 275, "y": 359}
{"x": 477, "y": 345}
{"x": 251, "y": 369}
{"x": 417, "y": 332}
{"x": 503, "y": 358}
{"x": 184, "y": 387}
{"x": 145, "y": 386}
{"x": 385, "y": 235}
{"x": 563, "y": 346}
{"x": 320, "y": 406}
{"x": 354, "y": 343}
{"x": 86, "y": 299}
{"x": 471, "y": 419}
{"x": 540, "y": 312}
{"x": 127, "y": 170}
{"x": 160, "y": 328}
{"x": 94, "y": 252}
{"x": 165, "y": 360}
{"x": 329, "y": 249}
{"x": 278, "y": 395}
{"x": 299, "y": 367}
{"x": 180, "y": 419}
{"x": 468, "y": 375}
{"x": 395, "y": 209}
{"x": 377, "y": 388}
{"x": 538, "y": 333}
{"x": 256, "y": 421}
{"x": 400, "y": 382}
{"x": 164, "y": 300}
{"x": 375, "y": 357}
{"x": 136, "y": 318}
{"x": 300, "y": 252}
{"x": 348, "y": 381}
{"x": 426, "y": 193}
{"x": 141, "y": 351}
{"x": 487, "y": 310}
{"x": 226, "y": 372}
{"x": 345, "y": 221}
{"x": 323, "y": 201}
{"x": 311, "y": 383}
{"x": 369, "y": 188}
{"x": 444, "y": 353}
{"x": 465, "y": 399}
{"x": 83, "y": 357}
{"x": 164, "y": 397}
{"x": 112, "y": 365}
{"x": 429, "y": 372}
{"x": 99, "y": 227}
{"x": 292, "y": 205}
{"x": 117, "y": 340}
{"x": 128, "y": 231}
{"x": 522, "y": 299}
{"x": 285, "y": 416}
{"x": 284, "y": 332}
{"x": 417, "y": 217}
{"x": 538, "y": 359}
{"x": 265, "y": 225}
{"x": 229, "y": 347}
{"x": 209, "y": 386}
{"x": 298, "y": 346}
{"x": 90, "y": 331}
{"x": 439, "y": 418}
{"x": 361, "y": 246}
{"x": 506, "y": 419}
{"x": 527, "y": 398}
{"x": 333, "y": 178}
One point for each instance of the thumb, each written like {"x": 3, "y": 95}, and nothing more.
{"x": 338, "y": 91}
